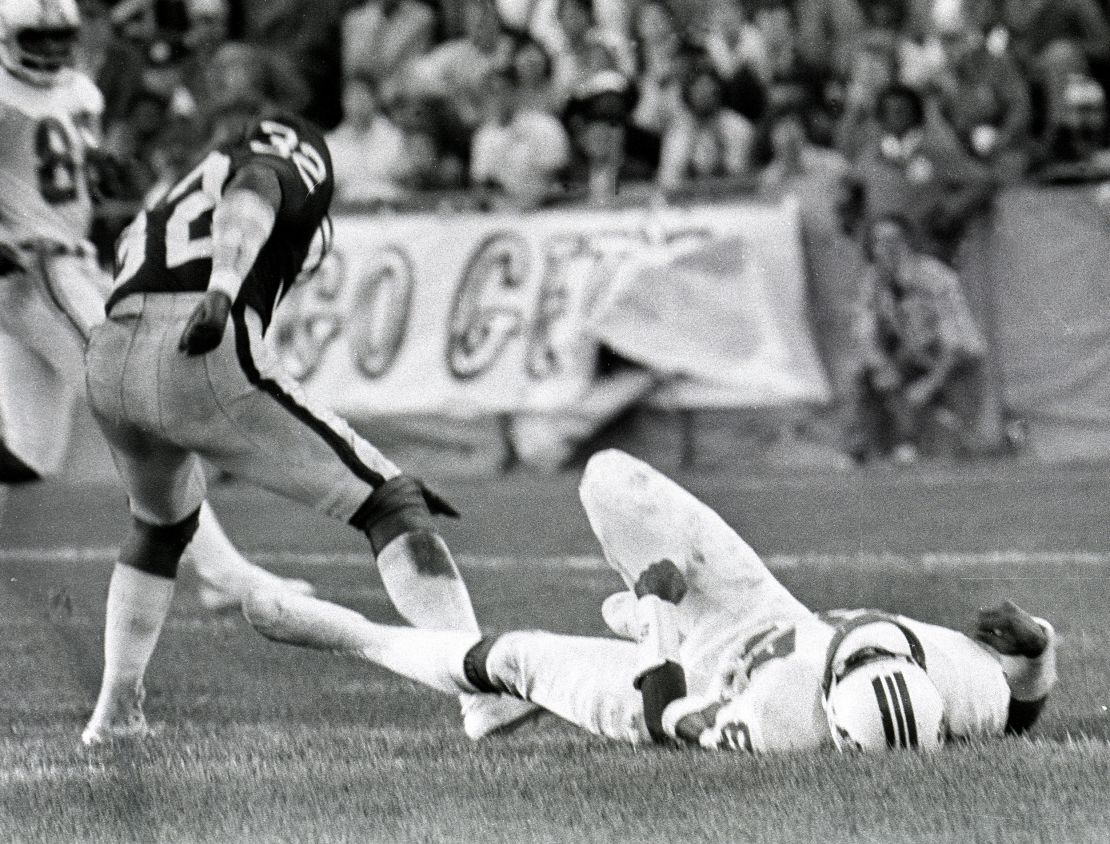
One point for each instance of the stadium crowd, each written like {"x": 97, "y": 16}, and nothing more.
{"x": 526, "y": 100}
{"x": 903, "y": 115}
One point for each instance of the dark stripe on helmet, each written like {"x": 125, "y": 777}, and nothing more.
{"x": 907, "y": 705}
{"x": 884, "y": 710}
{"x": 899, "y": 713}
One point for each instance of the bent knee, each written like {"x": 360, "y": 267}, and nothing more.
{"x": 612, "y": 468}
{"x": 397, "y": 507}
{"x": 157, "y": 549}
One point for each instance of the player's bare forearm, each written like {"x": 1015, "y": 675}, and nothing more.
{"x": 241, "y": 225}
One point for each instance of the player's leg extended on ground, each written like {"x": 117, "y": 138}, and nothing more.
{"x": 431, "y": 657}
{"x": 227, "y": 576}
{"x": 640, "y": 516}
{"x": 585, "y": 680}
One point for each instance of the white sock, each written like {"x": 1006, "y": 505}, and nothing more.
{"x": 137, "y": 606}
{"x": 432, "y": 657}
{"x": 218, "y": 562}
{"x": 424, "y": 583}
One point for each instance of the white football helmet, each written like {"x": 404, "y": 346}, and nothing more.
{"x": 877, "y": 694}
{"x": 38, "y": 38}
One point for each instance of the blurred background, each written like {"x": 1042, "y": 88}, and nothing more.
{"x": 815, "y": 234}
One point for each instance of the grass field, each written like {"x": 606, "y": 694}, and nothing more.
{"x": 260, "y": 742}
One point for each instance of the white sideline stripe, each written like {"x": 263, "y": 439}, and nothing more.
{"x": 928, "y": 561}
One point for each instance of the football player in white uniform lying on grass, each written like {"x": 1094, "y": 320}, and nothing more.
{"x": 722, "y": 655}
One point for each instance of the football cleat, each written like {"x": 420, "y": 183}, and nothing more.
{"x": 489, "y": 715}
{"x": 38, "y": 38}
{"x": 118, "y": 716}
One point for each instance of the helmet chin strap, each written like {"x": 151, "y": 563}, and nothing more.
{"x": 917, "y": 650}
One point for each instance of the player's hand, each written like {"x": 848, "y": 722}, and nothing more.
{"x": 662, "y": 579}
{"x": 1011, "y": 631}
{"x": 206, "y": 325}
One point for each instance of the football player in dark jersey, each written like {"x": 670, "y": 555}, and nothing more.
{"x": 180, "y": 371}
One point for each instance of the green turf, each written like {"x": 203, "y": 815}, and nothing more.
{"x": 261, "y": 742}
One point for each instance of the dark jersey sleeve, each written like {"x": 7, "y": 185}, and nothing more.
{"x": 298, "y": 155}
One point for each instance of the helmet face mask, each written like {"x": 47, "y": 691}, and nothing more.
{"x": 38, "y": 38}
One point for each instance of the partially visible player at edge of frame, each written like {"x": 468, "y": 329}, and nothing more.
{"x": 726, "y": 657}
{"x": 180, "y": 371}
{"x": 52, "y": 291}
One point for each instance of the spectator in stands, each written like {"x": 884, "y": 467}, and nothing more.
{"x": 238, "y": 73}
{"x": 611, "y": 17}
{"x": 580, "y": 49}
{"x": 706, "y": 139}
{"x": 982, "y": 95}
{"x": 1057, "y": 43}
{"x": 368, "y": 150}
{"x": 518, "y": 150}
{"x": 873, "y": 70}
{"x": 660, "y": 66}
{"x": 917, "y": 170}
{"x": 797, "y": 166}
{"x": 829, "y": 35}
{"x": 891, "y": 24}
{"x": 532, "y": 67}
{"x": 382, "y": 37}
{"x": 811, "y": 175}
{"x": 739, "y": 54}
{"x": 437, "y": 144}
{"x": 208, "y": 30}
{"x": 598, "y": 118}
{"x": 919, "y": 351}
{"x": 790, "y": 75}
{"x": 302, "y": 38}
{"x": 456, "y": 70}
{"x": 1080, "y": 132}
{"x": 113, "y": 62}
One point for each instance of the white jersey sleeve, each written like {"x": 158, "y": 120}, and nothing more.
{"x": 970, "y": 679}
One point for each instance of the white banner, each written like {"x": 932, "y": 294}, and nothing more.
{"x": 465, "y": 314}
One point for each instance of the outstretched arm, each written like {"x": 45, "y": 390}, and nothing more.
{"x": 1027, "y": 647}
